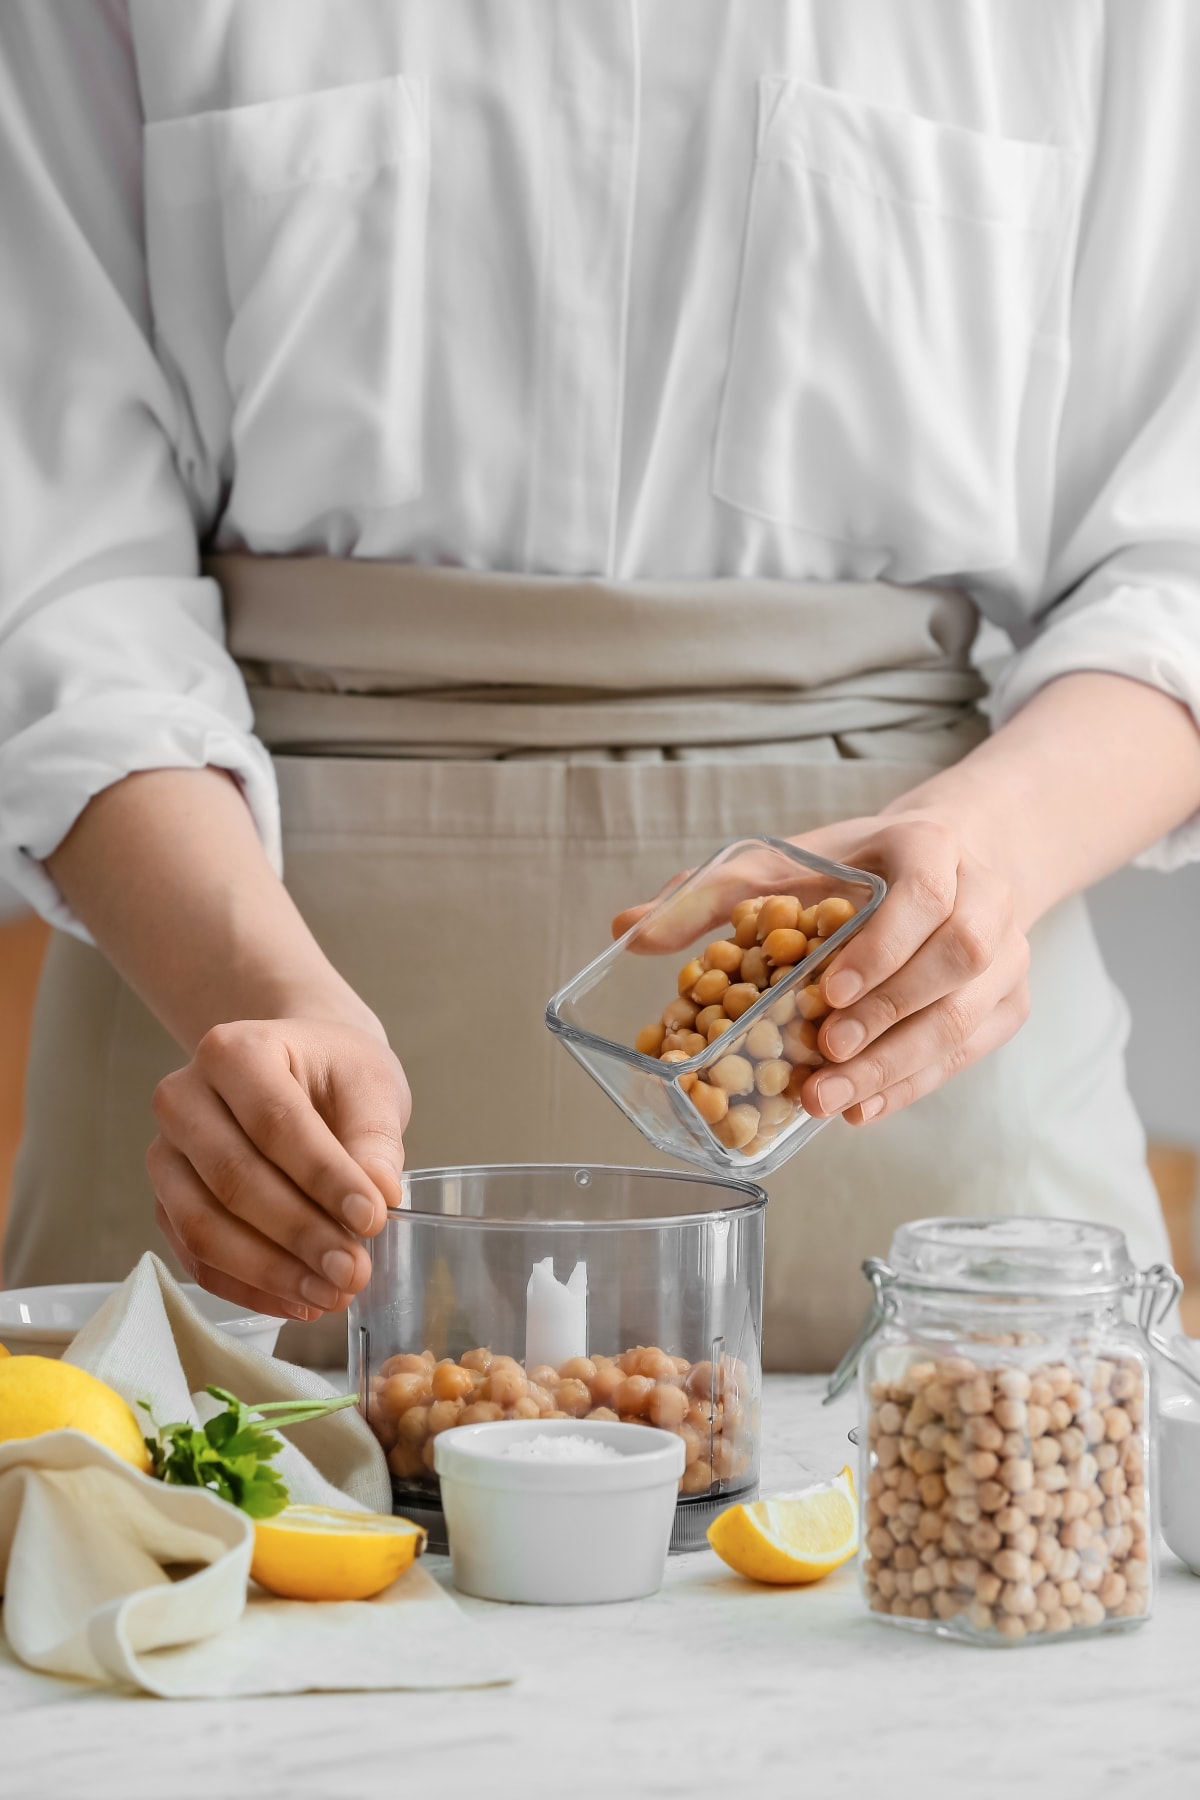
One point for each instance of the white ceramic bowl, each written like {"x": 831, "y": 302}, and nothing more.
{"x": 41, "y": 1321}
{"x": 558, "y": 1533}
{"x": 1179, "y": 1476}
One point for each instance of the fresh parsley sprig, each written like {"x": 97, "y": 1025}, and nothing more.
{"x": 232, "y": 1454}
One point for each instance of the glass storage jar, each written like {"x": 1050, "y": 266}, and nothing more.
{"x": 1006, "y": 1460}
{"x": 528, "y": 1291}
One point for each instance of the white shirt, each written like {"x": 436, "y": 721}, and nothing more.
{"x": 799, "y": 288}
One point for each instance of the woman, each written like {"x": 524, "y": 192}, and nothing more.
{"x": 604, "y": 425}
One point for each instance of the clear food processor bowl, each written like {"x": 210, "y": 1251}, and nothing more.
{"x": 527, "y": 1291}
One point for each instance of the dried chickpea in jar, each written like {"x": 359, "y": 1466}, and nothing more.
{"x": 974, "y": 1477}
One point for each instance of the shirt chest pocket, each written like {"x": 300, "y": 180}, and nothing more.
{"x": 286, "y": 254}
{"x": 901, "y": 322}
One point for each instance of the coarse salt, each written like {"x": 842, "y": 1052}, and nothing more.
{"x": 549, "y": 1447}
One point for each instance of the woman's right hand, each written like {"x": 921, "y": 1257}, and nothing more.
{"x": 280, "y": 1147}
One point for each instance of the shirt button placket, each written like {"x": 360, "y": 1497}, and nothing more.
{"x": 589, "y": 173}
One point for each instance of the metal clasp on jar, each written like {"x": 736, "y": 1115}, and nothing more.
{"x": 881, "y": 1275}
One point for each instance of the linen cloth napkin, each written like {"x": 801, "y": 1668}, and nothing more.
{"x": 86, "y": 1541}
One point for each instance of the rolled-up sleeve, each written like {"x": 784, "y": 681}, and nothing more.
{"x": 112, "y": 656}
{"x": 1122, "y": 587}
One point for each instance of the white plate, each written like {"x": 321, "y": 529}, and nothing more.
{"x": 41, "y": 1321}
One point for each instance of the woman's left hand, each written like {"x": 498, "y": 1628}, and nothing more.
{"x": 936, "y": 978}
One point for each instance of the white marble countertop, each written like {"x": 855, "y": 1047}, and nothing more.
{"x": 711, "y": 1688}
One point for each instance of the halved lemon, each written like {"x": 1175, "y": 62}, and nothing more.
{"x": 794, "y": 1538}
{"x": 319, "y": 1553}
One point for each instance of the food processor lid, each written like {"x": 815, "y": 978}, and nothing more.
{"x": 1058, "y": 1258}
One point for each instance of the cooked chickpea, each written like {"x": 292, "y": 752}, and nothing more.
{"x": 770, "y": 1078}
{"x": 710, "y": 987}
{"x": 779, "y": 912}
{"x": 679, "y": 1015}
{"x": 717, "y": 1027}
{"x": 745, "y": 932}
{"x": 754, "y": 970}
{"x": 774, "y": 1112}
{"x": 507, "y": 1386}
{"x": 399, "y": 1392}
{"x": 405, "y": 1364}
{"x": 632, "y": 1398}
{"x": 832, "y": 914}
{"x": 649, "y": 1040}
{"x": 689, "y": 1042}
{"x": 739, "y": 999}
{"x": 413, "y": 1425}
{"x": 723, "y": 954}
{"x": 810, "y": 1003}
{"x": 738, "y": 1128}
{"x": 479, "y": 1361}
{"x": 450, "y": 1382}
{"x": 708, "y": 1015}
{"x": 574, "y": 1398}
{"x": 689, "y": 975}
{"x": 783, "y": 946}
{"x": 800, "y": 1044}
{"x": 481, "y": 1412}
{"x": 783, "y": 1011}
{"x": 763, "y": 1041}
{"x": 667, "y": 1407}
{"x": 444, "y": 1414}
{"x": 734, "y": 1074}
{"x": 712, "y": 1103}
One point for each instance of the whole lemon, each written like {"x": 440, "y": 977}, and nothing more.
{"x": 38, "y": 1394}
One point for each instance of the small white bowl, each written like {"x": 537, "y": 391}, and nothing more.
{"x": 41, "y": 1321}
{"x": 1179, "y": 1476}
{"x": 554, "y": 1533}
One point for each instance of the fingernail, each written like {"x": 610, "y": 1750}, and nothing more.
{"x": 844, "y": 1037}
{"x": 358, "y": 1213}
{"x": 835, "y": 1093}
{"x": 871, "y": 1109}
{"x": 844, "y": 987}
{"x": 317, "y": 1291}
{"x": 294, "y": 1310}
{"x": 339, "y": 1266}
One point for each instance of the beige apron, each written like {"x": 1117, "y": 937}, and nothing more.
{"x": 476, "y": 772}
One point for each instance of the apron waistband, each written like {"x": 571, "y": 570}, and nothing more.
{"x": 350, "y": 657}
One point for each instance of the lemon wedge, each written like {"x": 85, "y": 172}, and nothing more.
{"x": 318, "y": 1553}
{"x": 794, "y": 1538}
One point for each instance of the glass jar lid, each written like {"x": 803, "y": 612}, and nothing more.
{"x": 1058, "y": 1258}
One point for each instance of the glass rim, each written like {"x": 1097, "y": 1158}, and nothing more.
{"x": 754, "y": 1199}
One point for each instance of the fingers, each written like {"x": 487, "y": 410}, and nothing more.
{"x": 923, "y": 871}
{"x": 1000, "y": 1024}
{"x": 978, "y": 938}
{"x": 197, "y": 1125}
{"x": 225, "y": 1255}
{"x": 922, "y": 1052}
{"x": 368, "y": 1110}
{"x": 252, "y": 1073}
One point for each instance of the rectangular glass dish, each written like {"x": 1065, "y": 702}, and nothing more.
{"x": 670, "y": 961}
